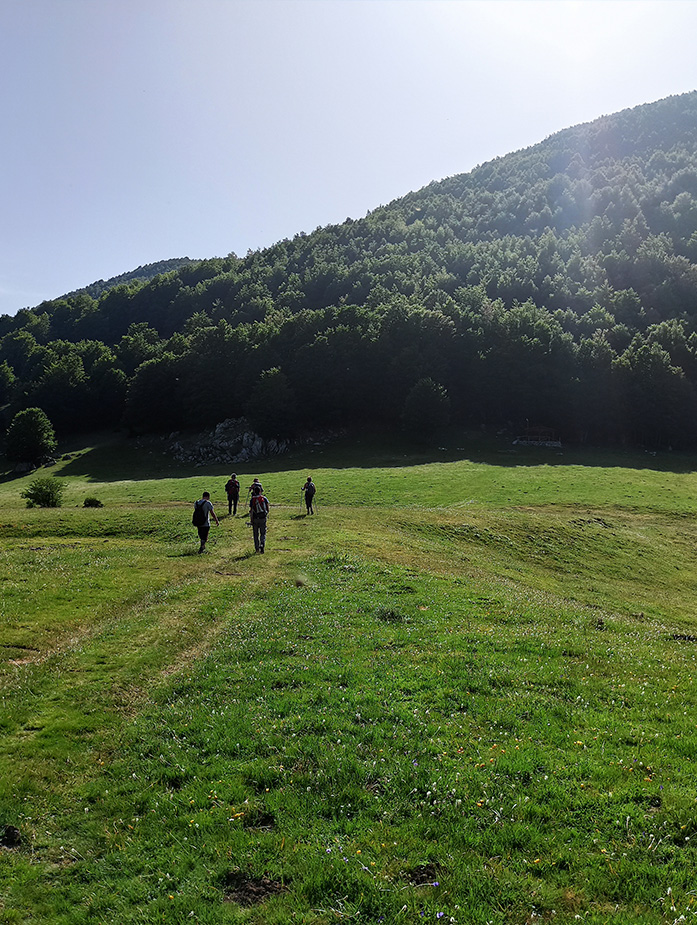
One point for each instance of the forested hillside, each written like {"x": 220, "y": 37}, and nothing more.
{"x": 140, "y": 275}
{"x": 554, "y": 287}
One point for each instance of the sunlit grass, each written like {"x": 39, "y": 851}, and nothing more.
{"x": 454, "y": 706}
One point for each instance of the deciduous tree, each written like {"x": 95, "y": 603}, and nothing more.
{"x": 30, "y": 437}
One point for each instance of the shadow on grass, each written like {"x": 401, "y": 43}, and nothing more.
{"x": 195, "y": 554}
{"x": 123, "y": 458}
{"x": 10, "y": 476}
{"x": 382, "y": 449}
{"x": 395, "y": 451}
{"x": 112, "y": 459}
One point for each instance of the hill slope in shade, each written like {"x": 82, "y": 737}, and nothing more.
{"x": 553, "y": 287}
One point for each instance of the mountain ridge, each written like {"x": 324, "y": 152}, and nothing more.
{"x": 555, "y": 285}
{"x": 147, "y": 272}
{"x": 141, "y": 274}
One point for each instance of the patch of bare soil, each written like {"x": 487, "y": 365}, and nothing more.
{"x": 10, "y": 837}
{"x": 259, "y": 819}
{"x": 249, "y": 891}
{"x": 424, "y": 875}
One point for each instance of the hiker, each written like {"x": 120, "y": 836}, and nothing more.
{"x": 256, "y": 488}
{"x": 258, "y": 512}
{"x": 203, "y": 510}
{"x": 232, "y": 490}
{"x": 309, "y": 489}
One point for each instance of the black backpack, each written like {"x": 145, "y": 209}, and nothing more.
{"x": 198, "y": 518}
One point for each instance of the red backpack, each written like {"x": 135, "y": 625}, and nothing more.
{"x": 259, "y": 505}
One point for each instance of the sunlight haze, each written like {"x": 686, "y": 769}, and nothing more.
{"x": 141, "y": 130}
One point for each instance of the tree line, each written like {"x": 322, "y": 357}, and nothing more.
{"x": 555, "y": 286}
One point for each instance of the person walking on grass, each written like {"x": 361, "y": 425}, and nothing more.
{"x": 203, "y": 511}
{"x": 309, "y": 489}
{"x": 256, "y": 488}
{"x": 258, "y": 512}
{"x": 232, "y": 490}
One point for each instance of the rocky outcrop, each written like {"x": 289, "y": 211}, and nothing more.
{"x": 232, "y": 441}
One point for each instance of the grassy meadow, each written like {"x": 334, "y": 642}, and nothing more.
{"x": 464, "y": 691}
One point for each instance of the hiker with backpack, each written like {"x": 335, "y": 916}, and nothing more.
{"x": 256, "y": 488}
{"x": 232, "y": 490}
{"x": 258, "y": 512}
{"x": 309, "y": 489}
{"x": 203, "y": 510}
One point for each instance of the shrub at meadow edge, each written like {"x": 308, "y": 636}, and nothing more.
{"x": 44, "y": 492}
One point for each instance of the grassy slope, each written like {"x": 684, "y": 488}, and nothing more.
{"x": 465, "y": 687}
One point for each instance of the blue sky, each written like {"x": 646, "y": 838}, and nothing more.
{"x": 139, "y": 130}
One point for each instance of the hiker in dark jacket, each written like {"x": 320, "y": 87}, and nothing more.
{"x": 203, "y": 511}
{"x": 232, "y": 490}
{"x": 258, "y": 512}
{"x": 309, "y": 489}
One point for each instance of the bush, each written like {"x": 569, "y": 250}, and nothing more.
{"x": 92, "y": 502}
{"x": 44, "y": 492}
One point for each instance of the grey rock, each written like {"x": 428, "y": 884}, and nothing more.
{"x": 231, "y": 441}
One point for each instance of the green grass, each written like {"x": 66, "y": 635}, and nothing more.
{"x": 463, "y": 691}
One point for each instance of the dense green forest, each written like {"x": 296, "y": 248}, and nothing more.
{"x": 140, "y": 275}
{"x": 555, "y": 287}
